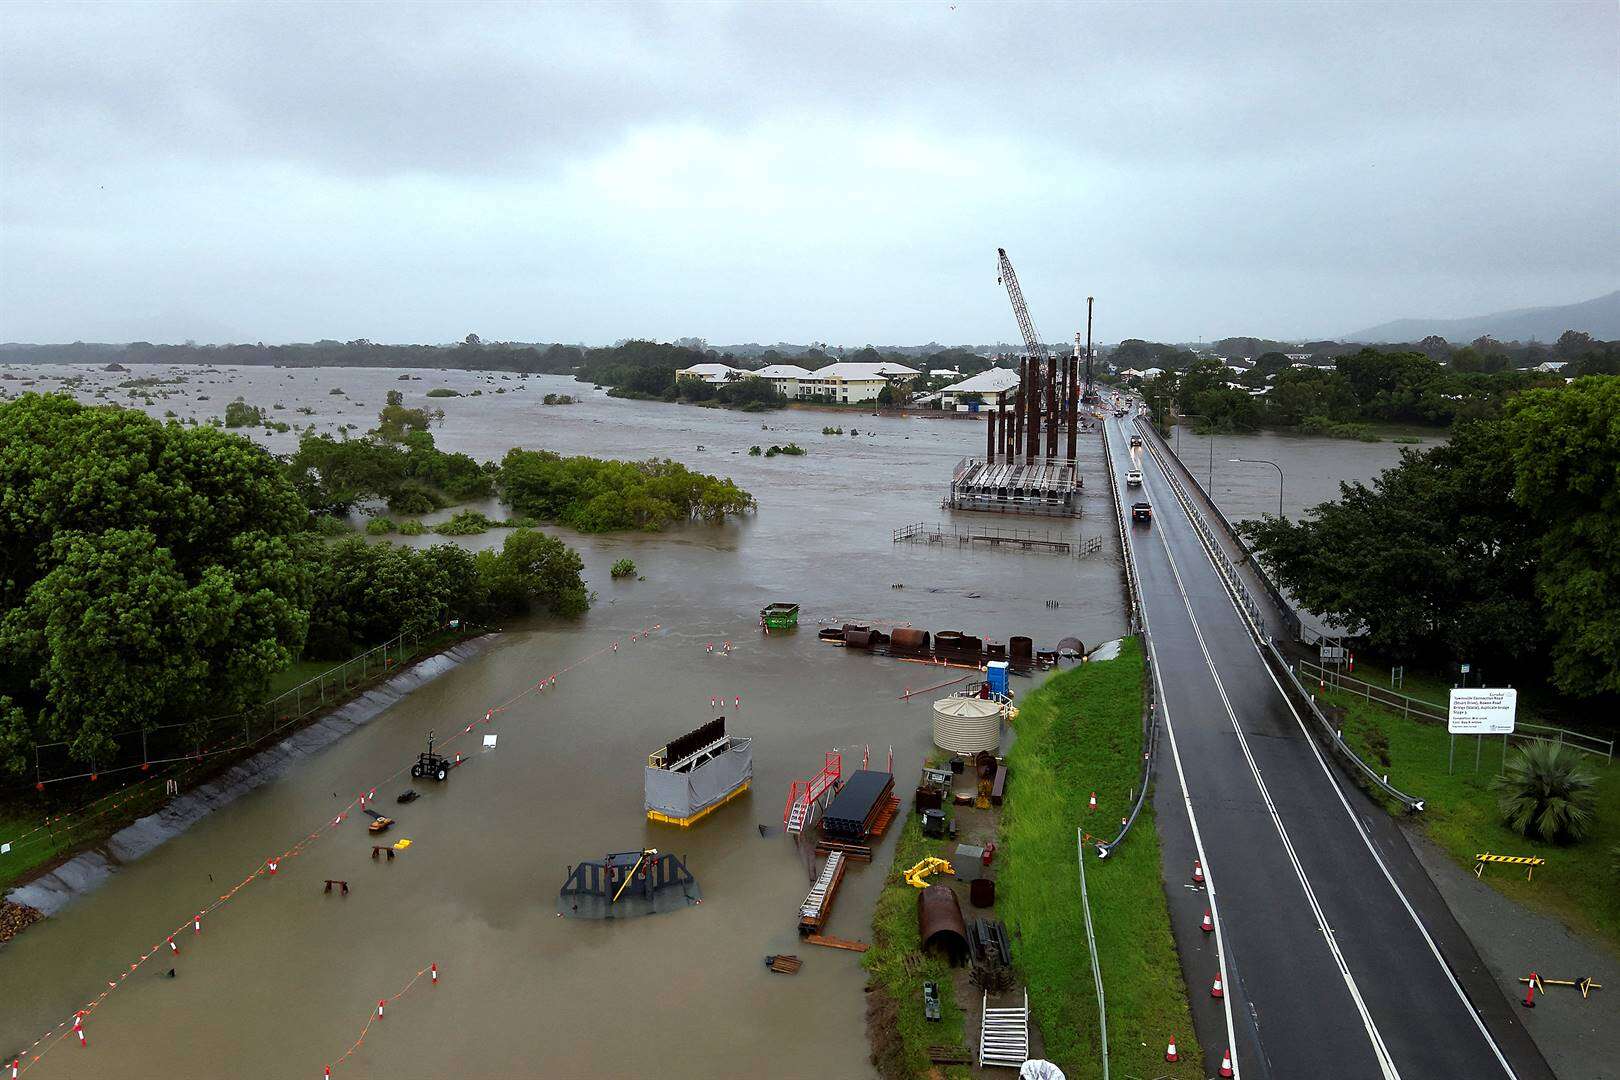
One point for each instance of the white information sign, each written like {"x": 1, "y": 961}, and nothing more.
{"x": 489, "y": 742}
{"x": 1488, "y": 711}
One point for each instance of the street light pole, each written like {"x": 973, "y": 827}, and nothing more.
{"x": 1274, "y": 465}
{"x": 1195, "y": 416}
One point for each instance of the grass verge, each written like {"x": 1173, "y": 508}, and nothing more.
{"x": 1077, "y": 733}
{"x": 897, "y": 968}
{"x": 1578, "y": 885}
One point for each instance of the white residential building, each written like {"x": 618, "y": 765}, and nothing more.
{"x": 852, "y": 382}
{"x": 785, "y": 377}
{"x": 711, "y": 373}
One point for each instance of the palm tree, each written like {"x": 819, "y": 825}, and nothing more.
{"x": 1544, "y": 793}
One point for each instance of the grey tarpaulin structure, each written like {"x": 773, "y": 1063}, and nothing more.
{"x": 697, "y": 773}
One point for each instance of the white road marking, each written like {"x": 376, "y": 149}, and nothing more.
{"x": 1361, "y": 831}
{"x": 1192, "y": 816}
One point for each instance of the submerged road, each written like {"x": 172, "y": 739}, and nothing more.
{"x": 1337, "y": 955}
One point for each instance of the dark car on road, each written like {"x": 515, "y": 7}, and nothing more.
{"x": 1142, "y": 513}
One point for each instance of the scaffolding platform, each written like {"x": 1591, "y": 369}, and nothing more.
{"x": 1046, "y": 487}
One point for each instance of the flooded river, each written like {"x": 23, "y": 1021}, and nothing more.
{"x": 284, "y": 977}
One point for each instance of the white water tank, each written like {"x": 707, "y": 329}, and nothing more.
{"x": 967, "y": 725}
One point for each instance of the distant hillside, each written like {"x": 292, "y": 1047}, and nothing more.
{"x": 1599, "y": 317}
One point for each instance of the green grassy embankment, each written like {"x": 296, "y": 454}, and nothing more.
{"x": 1077, "y": 733}
{"x": 1579, "y": 884}
{"x": 897, "y": 968}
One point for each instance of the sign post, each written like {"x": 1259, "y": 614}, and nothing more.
{"x": 1480, "y": 712}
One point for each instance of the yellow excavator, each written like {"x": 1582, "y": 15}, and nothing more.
{"x": 917, "y": 876}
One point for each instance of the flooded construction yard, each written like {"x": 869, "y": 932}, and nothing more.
{"x": 283, "y": 979}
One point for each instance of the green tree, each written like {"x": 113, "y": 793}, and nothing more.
{"x": 1546, "y": 793}
{"x": 1434, "y": 560}
{"x": 1564, "y": 445}
{"x": 175, "y": 551}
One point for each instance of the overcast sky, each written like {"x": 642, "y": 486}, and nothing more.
{"x": 766, "y": 172}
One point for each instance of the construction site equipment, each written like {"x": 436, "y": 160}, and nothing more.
{"x": 939, "y": 923}
{"x": 696, "y": 774}
{"x": 779, "y": 616}
{"x": 1004, "y": 1034}
{"x": 431, "y": 766}
{"x": 1529, "y": 862}
{"x": 931, "y": 1009}
{"x": 784, "y": 963}
{"x": 933, "y": 822}
{"x": 967, "y": 725}
{"x": 1585, "y": 985}
{"x": 838, "y": 943}
{"x": 917, "y": 877}
{"x": 859, "y": 805}
{"x": 818, "y": 904}
{"x": 807, "y": 798}
{"x": 626, "y": 884}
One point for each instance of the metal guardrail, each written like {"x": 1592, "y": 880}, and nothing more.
{"x": 1246, "y": 603}
{"x": 1133, "y": 596}
{"x": 1326, "y": 676}
{"x": 1091, "y": 947}
{"x": 1292, "y": 623}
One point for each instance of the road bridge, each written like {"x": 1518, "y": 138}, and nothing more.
{"x": 1337, "y": 954}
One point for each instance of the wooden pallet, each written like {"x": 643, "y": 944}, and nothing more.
{"x": 886, "y": 815}
{"x": 852, "y": 852}
{"x": 948, "y": 1055}
{"x": 785, "y": 964}
{"x": 838, "y": 943}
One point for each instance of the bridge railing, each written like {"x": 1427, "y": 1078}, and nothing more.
{"x": 1133, "y": 601}
{"x": 1256, "y": 623}
{"x": 1292, "y": 624}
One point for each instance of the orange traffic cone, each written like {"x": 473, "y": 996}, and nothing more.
{"x": 1093, "y": 804}
{"x": 1215, "y": 990}
{"x": 1170, "y": 1051}
{"x": 1226, "y": 1063}
{"x": 1208, "y": 925}
{"x": 1198, "y": 871}
{"x": 1530, "y": 992}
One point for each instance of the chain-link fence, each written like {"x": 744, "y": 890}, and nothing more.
{"x": 141, "y": 750}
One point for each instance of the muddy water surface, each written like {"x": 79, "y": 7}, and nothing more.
{"x": 284, "y": 977}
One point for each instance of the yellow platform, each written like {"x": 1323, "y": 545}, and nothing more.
{"x": 653, "y": 815}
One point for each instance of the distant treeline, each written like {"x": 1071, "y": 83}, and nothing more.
{"x": 1584, "y": 354}
{"x": 1403, "y": 386}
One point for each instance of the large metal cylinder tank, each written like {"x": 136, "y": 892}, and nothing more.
{"x": 967, "y": 725}
{"x": 909, "y": 642}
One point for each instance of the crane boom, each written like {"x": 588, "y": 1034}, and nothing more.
{"x": 1009, "y": 278}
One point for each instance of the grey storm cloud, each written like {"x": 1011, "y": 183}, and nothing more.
{"x": 796, "y": 171}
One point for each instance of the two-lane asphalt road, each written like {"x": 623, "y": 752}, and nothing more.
{"x": 1329, "y": 964}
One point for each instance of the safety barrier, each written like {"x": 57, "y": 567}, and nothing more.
{"x": 1292, "y": 625}
{"x": 1332, "y": 677}
{"x": 1133, "y": 598}
{"x": 1268, "y": 648}
{"x": 73, "y": 1026}
{"x": 170, "y": 744}
{"x": 1091, "y": 947}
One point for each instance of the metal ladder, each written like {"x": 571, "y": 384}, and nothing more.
{"x": 818, "y": 892}
{"x": 801, "y": 810}
{"x": 1004, "y": 1035}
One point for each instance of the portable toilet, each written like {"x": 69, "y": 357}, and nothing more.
{"x": 995, "y": 673}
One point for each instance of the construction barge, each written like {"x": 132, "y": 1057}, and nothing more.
{"x": 948, "y": 648}
{"x": 697, "y": 774}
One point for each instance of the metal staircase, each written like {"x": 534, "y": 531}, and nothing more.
{"x": 1004, "y": 1035}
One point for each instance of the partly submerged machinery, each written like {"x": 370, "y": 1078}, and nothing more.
{"x": 697, "y": 774}
{"x": 627, "y": 884}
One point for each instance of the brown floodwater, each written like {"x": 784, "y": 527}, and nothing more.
{"x": 284, "y": 977}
